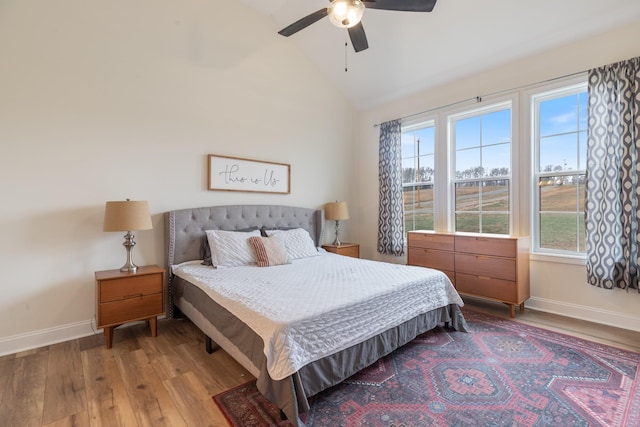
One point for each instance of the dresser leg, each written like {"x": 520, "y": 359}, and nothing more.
{"x": 153, "y": 324}
{"x": 108, "y": 335}
{"x": 512, "y": 310}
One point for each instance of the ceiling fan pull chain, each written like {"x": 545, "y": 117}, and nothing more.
{"x": 345, "y": 56}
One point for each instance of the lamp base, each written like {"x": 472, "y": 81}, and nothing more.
{"x": 129, "y": 266}
{"x": 337, "y": 242}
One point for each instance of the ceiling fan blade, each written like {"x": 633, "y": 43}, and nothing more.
{"x": 303, "y": 23}
{"x": 401, "y": 5}
{"x": 358, "y": 37}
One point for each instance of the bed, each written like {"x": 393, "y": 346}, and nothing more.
{"x": 315, "y": 347}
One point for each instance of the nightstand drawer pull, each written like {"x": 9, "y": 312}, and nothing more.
{"x": 133, "y": 296}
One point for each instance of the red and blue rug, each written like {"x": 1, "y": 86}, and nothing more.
{"x": 501, "y": 373}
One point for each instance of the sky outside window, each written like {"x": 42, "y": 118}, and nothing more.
{"x": 484, "y": 141}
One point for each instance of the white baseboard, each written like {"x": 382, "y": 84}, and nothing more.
{"x": 590, "y": 314}
{"x": 41, "y": 338}
{"x": 49, "y": 336}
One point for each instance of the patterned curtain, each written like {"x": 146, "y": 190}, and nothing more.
{"x": 390, "y": 211}
{"x": 613, "y": 174}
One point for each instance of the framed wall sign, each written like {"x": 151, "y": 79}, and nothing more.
{"x": 238, "y": 174}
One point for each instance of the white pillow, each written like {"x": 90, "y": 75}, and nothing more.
{"x": 231, "y": 248}
{"x": 297, "y": 242}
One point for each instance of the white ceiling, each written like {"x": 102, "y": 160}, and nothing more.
{"x": 409, "y": 52}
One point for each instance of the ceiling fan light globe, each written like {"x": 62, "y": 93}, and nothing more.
{"x": 345, "y": 13}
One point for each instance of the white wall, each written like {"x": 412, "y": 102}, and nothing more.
{"x": 107, "y": 100}
{"x": 555, "y": 287}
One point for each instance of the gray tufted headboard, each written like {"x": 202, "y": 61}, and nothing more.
{"x": 184, "y": 229}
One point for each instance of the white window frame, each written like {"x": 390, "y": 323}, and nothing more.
{"x": 421, "y": 123}
{"x": 496, "y": 104}
{"x": 571, "y": 86}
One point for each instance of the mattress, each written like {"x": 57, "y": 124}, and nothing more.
{"x": 318, "y": 306}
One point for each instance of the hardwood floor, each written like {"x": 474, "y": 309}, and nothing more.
{"x": 168, "y": 380}
{"x": 141, "y": 381}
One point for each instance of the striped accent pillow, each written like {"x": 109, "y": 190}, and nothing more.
{"x": 269, "y": 251}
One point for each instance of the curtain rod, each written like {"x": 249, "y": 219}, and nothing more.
{"x": 478, "y": 99}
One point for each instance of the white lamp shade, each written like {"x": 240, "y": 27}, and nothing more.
{"x": 337, "y": 211}
{"x": 127, "y": 216}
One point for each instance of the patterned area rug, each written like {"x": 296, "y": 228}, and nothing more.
{"x": 501, "y": 373}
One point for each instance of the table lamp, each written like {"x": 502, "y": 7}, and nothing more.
{"x": 336, "y": 211}
{"x": 127, "y": 216}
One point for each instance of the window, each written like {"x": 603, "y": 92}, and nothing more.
{"x": 418, "y": 144}
{"x": 474, "y": 176}
{"x": 560, "y": 148}
{"x": 481, "y": 144}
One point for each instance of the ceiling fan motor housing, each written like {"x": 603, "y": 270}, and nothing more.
{"x": 345, "y": 13}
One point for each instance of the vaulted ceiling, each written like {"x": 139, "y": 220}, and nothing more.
{"x": 410, "y": 51}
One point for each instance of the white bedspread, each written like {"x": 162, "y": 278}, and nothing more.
{"x": 317, "y": 306}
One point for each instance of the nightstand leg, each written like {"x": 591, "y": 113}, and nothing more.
{"x": 108, "y": 335}
{"x": 512, "y": 310}
{"x": 153, "y": 323}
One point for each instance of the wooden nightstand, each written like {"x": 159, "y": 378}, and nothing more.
{"x": 127, "y": 297}
{"x": 348, "y": 249}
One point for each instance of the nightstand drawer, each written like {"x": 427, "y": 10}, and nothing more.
{"x": 129, "y": 309}
{"x": 346, "y": 249}
{"x": 127, "y": 287}
{"x": 500, "y": 268}
{"x": 352, "y": 251}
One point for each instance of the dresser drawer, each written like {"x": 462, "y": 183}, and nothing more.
{"x": 129, "y": 309}
{"x": 504, "y": 247}
{"x": 440, "y": 260}
{"x": 127, "y": 287}
{"x": 451, "y": 275}
{"x": 488, "y": 266}
{"x": 503, "y": 290}
{"x": 429, "y": 240}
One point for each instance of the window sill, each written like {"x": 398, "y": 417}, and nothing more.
{"x": 561, "y": 259}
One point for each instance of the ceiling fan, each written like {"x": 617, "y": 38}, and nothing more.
{"x": 348, "y": 13}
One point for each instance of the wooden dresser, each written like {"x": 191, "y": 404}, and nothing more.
{"x": 482, "y": 265}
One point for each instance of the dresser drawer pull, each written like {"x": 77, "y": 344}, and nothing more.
{"x": 484, "y": 277}
{"x": 133, "y": 296}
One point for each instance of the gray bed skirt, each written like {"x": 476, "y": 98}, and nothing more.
{"x": 291, "y": 393}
